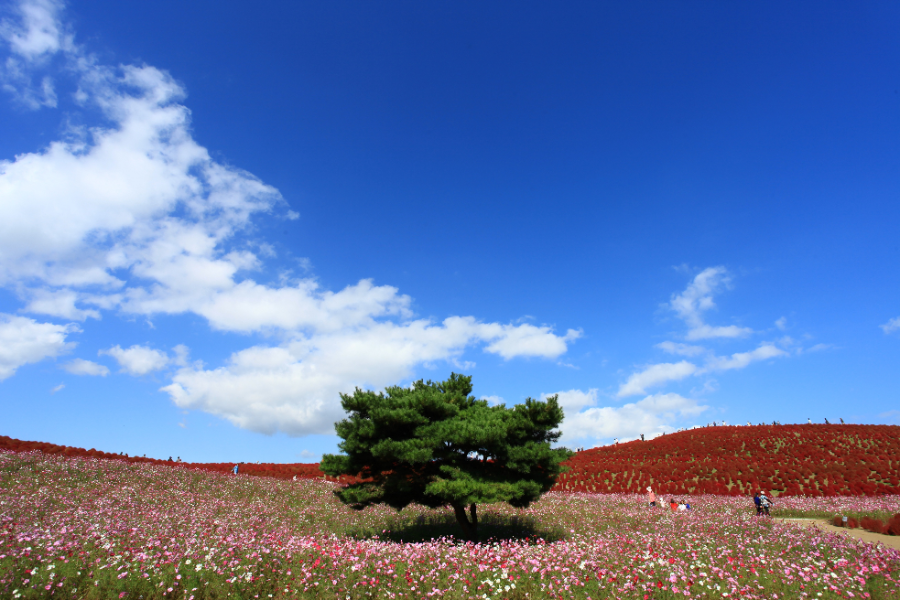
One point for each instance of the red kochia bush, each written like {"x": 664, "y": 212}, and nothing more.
{"x": 893, "y": 526}
{"x": 873, "y": 525}
{"x": 838, "y": 521}
{"x": 851, "y": 523}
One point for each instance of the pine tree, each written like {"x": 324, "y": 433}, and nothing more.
{"x": 433, "y": 444}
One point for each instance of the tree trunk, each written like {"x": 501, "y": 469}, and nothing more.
{"x": 474, "y": 519}
{"x": 463, "y": 521}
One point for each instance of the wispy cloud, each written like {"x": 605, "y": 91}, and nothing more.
{"x": 697, "y": 298}
{"x": 891, "y": 326}
{"x": 79, "y": 366}
{"x": 681, "y": 349}
{"x": 655, "y": 375}
{"x": 739, "y": 360}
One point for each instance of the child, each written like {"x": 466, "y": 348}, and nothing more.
{"x": 651, "y": 497}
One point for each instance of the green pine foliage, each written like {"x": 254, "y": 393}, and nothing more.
{"x": 436, "y": 445}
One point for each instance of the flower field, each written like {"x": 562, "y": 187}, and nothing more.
{"x": 96, "y": 528}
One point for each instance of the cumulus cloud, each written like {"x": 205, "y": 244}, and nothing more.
{"x": 138, "y": 360}
{"x": 295, "y": 387}
{"x": 650, "y": 416}
{"x": 79, "y": 366}
{"x": 135, "y": 216}
{"x": 891, "y": 326}
{"x": 511, "y": 341}
{"x": 697, "y": 298}
{"x": 655, "y": 375}
{"x": 24, "y": 341}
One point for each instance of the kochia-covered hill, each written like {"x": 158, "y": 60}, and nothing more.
{"x": 811, "y": 460}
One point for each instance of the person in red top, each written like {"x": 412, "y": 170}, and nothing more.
{"x": 673, "y": 505}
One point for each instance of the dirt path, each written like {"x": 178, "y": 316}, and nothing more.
{"x": 891, "y": 541}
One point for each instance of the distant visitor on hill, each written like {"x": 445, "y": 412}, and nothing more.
{"x": 758, "y": 503}
{"x": 235, "y": 470}
{"x": 765, "y": 502}
{"x": 651, "y": 497}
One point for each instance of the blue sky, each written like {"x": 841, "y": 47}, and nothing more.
{"x": 215, "y": 218}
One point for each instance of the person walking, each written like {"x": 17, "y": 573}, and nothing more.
{"x": 235, "y": 470}
{"x": 758, "y": 502}
{"x": 765, "y": 502}
{"x": 651, "y": 497}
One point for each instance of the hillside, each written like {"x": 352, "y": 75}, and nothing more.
{"x": 812, "y": 460}
{"x": 280, "y": 471}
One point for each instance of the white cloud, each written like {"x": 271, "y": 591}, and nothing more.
{"x": 651, "y": 416}
{"x": 655, "y": 375}
{"x": 135, "y": 216}
{"x": 59, "y": 303}
{"x": 681, "y": 349}
{"x": 33, "y": 37}
{"x": 57, "y": 388}
{"x": 511, "y": 341}
{"x": 295, "y": 387}
{"x": 38, "y": 32}
{"x": 24, "y": 341}
{"x": 573, "y": 401}
{"x": 821, "y": 347}
{"x": 494, "y": 400}
{"x": 891, "y": 326}
{"x": 739, "y": 360}
{"x": 781, "y": 323}
{"x": 697, "y": 298}
{"x": 80, "y": 366}
{"x": 703, "y": 332}
{"x": 138, "y": 360}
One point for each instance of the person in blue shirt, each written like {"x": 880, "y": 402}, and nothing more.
{"x": 758, "y": 502}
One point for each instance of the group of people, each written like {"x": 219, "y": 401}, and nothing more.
{"x": 673, "y": 506}
{"x": 763, "y": 503}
